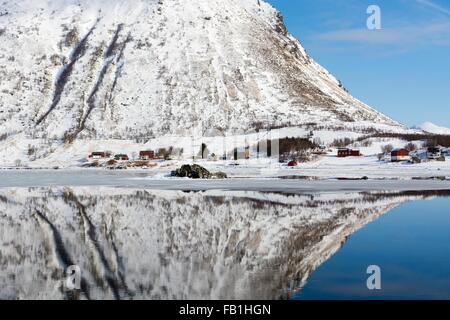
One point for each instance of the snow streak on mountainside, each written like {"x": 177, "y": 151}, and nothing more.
{"x": 146, "y": 68}
{"x": 172, "y": 244}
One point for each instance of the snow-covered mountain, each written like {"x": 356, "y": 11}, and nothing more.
{"x": 434, "y": 129}
{"x": 144, "y": 244}
{"x": 117, "y": 69}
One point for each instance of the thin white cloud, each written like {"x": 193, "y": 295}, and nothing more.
{"x": 435, "y": 6}
{"x": 431, "y": 34}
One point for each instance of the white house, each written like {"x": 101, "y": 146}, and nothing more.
{"x": 446, "y": 152}
{"x": 434, "y": 153}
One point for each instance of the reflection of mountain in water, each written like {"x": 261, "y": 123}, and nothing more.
{"x": 174, "y": 245}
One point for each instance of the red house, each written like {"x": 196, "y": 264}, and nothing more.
{"x": 147, "y": 155}
{"x": 400, "y": 155}
{"x": 346, "y": 152}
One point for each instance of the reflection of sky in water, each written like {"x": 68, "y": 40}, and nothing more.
{"x": 411, "y": 244}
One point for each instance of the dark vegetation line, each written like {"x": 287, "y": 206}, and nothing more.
{"x": 112, "y": 46}
{"x": 430, "y": 138}
{"x": 92, "y": 234}
{"x": 62, "y": 252}
{"x": 60, "y": 249}
{"x": 119, "y": 260}
{"x": 92, "y": 96}
{"x": 369, "y": 197}
{"x": 66, "y": 71}
{"x": 419, "y": 193}
{"x": 443, "y": 140}
{"x": 119, "y": 68}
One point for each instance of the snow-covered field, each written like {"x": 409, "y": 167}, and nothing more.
{"x": 73, "y": 156}
{"x": 327, "y": 171}
{"x": 51, "y": 153}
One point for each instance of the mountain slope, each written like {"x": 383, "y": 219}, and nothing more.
{"x": 434, "y": 129}
{"x": 112, "y": 69}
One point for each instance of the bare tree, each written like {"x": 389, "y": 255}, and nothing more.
{"x": 411, "y": 147}
{"x": 387, "y": 148}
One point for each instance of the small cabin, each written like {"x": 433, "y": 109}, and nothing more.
{"x": 346, "y": 152}
{"x": 121, "y": 157}
{"x": 147, "y": 155}
{"x": 99, "y": 155}
{"x": 434, "y": 153}
{"x": 398, "y": 155}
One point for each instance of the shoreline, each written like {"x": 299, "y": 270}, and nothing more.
{"x": 144, "y": 179}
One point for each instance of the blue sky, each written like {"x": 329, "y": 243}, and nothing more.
{"x": 402, "y": 70}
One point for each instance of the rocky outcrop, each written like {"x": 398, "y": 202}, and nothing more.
{"x": 197, "y": 172}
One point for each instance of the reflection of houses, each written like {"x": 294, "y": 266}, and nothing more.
{"x": 400, "y": 155}
{"x": 240, "y": 153}
{"x": 204, "y": 152}
{"x": 121, "y": 157}
{"x": 213, "y": 157}
{"x": 98, "y": 155}
{"x": 147, "y": 155}
{"x": 292, "y": 163}
{"x": 346, "y": 152}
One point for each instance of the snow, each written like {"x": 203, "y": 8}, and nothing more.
{"x": 158, "y": 74}
{"x": 435, "y": 129}
{"x": 55, "y": 153}
{"x": 177, "y": 67}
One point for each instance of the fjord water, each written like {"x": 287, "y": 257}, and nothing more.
{"x": 217, "y": 244}
{"x": 410, "y": 244}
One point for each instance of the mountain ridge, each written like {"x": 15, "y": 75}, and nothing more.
{"x": 432, "y": 128}
{"x": 111, "y": 70}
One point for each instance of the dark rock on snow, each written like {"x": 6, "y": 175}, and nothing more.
{"x": 196, "y": 172}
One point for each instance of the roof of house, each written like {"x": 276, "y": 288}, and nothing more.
{"x": 400, "y": 149}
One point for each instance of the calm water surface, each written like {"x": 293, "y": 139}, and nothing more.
{"x": 167, "y": 244}
{"x": 411, "y": 245}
